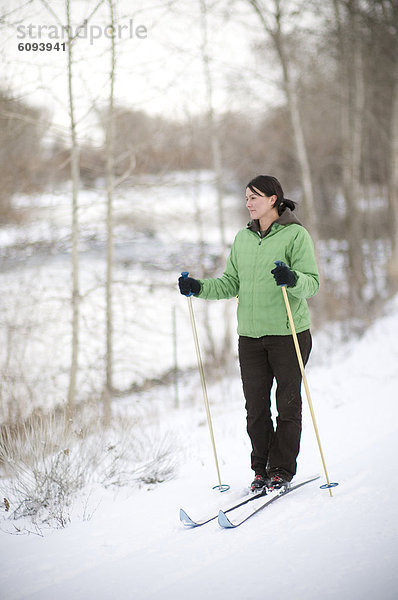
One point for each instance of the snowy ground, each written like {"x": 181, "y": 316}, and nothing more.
{"x": 305, "y": 546}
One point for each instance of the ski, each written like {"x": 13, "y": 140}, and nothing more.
{"x": 188, "y": 522}
{"x": 226, "y": 523}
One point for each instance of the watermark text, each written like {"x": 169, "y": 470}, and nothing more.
{"x": 85, "y": 31}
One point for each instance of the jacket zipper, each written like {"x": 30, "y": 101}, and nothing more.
{"x": 259, "y": 235}
{"x": 255, "y": 280}
{"x": 287, "y": 320}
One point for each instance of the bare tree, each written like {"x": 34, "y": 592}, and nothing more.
{"x": 393, "y": 180}
{"x": 389, "y": 11}
{"x": 110, "y": 182}
{"x": 214, "y": 138}
{"x": 352, "y": 117}
{"x": 216, "y": 160}
{"x": 272, "y": 16}
{"x": 21, "y": 152}
{"x": 75, "y": 177}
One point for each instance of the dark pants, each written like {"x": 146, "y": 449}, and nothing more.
{"x": 262, "y": 360}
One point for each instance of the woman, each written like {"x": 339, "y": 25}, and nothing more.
{"x": 266, "y": 348}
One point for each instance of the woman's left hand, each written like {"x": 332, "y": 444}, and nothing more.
{"x": 283, "y": 275}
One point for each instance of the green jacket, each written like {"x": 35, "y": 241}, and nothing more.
{"x": 261, "y": 308}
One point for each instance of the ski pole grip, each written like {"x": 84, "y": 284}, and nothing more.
{"x": 280, "y": 263}
{"x": 185, "y": 274}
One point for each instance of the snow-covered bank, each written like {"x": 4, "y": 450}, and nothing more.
{"x": 305, "y": 546}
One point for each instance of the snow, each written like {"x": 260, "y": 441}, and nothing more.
{"x": 305, "y": 546}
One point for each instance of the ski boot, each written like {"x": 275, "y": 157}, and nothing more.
{"x": 278, "y": 482}
{"x": 259, "y": 483}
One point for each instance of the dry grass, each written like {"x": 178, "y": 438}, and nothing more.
{"x": 47, "y": 462}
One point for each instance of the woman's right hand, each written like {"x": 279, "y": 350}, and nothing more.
{"x": 188, "y": 286}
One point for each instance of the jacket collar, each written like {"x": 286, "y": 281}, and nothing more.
{"x": 286, "y": 218}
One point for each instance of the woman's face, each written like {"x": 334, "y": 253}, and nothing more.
{"x": 258, "y": 204}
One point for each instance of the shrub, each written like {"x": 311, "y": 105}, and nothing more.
{"x": 47, "y": 463}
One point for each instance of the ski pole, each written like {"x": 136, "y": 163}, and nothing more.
{"x": 328, "y": 485}
{"x": 220, "y": 486}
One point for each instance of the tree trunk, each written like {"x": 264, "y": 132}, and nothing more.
{"x": 309, "y": 208}
{"x": 352, "y": 137}
{"x": 298, "y": 135}
{"x": 276, "y": 35}
{"x": 75, "y": 175}
{"x": 110, "y": 169}
{"x": 226, "y": 349}
{"x": 393, "y": 187}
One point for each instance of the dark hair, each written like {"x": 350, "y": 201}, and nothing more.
{"x": 270, "y": 186}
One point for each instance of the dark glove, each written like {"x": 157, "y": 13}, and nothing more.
{"x": 188, "y": 285}
{"x": 284, "y": 275}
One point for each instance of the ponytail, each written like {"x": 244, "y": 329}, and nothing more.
{"x": 285, "y": 203}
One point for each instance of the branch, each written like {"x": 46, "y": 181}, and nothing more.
{"x": 87, "y": 20}
{"x": 21, "y": 117}
{"x": 3, "y": 17}
{"x": 128, "y": 171}
{"x": 260, "y": 14}
{"x": 79, "y": 27}
{"x": 50, "y": 10}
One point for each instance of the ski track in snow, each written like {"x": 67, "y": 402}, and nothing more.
{"x": 305, "y": 546}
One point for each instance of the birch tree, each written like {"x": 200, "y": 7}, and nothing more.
{"x": 272, "y": 16}
{"x": 110, "y": 165}
{"x": 389, "y": 12}
{"x": 75, "y": 178}
{"x": 216, "y": 160}
{"x": 352, "y": 116}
